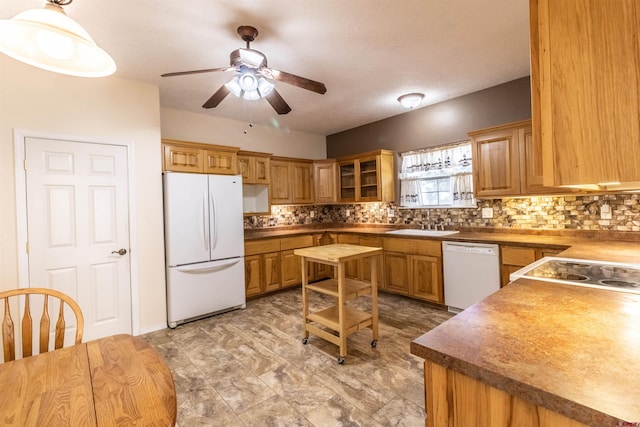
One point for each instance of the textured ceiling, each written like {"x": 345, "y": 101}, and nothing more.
{"x": 367, "y": 52}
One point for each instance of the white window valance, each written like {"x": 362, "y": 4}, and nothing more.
{"x": 440, "y": 176}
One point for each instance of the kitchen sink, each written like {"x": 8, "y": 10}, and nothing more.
{"x": 419, "y": 232}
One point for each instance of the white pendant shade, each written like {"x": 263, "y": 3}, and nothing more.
{"x": 47, "y": 38}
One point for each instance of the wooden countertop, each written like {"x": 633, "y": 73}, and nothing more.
{"x": 584, "y": 244}
{"x": 571, "y": 349}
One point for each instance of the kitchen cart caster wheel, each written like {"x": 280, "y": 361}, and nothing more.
{"x": 340, "y": 360}
{"x": 305, "y": 341}
{"x": 374, "y": 343}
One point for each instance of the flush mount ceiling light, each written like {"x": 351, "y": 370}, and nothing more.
{"x": 411, "y": 100}
{"x": 47, "y": 38}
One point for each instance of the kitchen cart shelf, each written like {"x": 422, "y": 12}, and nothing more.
{"x": 354, "y": 320}
{"x": 335, "y": 323}
{"x": 353, "y": 288}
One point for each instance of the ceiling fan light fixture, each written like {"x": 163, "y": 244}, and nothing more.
{"x": 248, "y": 81}
{"x": 264, "y": 87}
{"x": 234, "y": 87}
{"x": 411, "y": 100}
{"x": 251, "y": 95}
{"x": 47, "y": 38}
{"x": 252, "y": 58}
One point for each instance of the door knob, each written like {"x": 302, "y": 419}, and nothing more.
{"x": 120, "y": 252}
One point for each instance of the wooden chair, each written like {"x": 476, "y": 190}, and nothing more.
{"x": 8, "y": 331}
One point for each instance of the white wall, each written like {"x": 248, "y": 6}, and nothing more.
{"x": 186, "y": 126}
{"x": 97, "y": 109}
{"x": 119, "y": 110}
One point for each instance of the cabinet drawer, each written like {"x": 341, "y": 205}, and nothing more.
{"x": 296, "y": 242}
{"x": 261, "y": 246}
{"x": 349, "y": 239}
{"x": 518, "y": 255}
{"x": 375, "y": 242}
{"x": 413, "y": 246}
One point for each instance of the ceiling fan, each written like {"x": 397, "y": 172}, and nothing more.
{"x": 252, "y": 77}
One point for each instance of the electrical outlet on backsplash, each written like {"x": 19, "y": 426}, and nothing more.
{"x": 538, "y": 213}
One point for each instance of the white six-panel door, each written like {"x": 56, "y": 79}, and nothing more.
{"x": 77, "y": 221}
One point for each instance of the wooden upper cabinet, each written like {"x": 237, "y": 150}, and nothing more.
{"x": 291, "y": 181}
{"x": 280, "y": 186}
{"x": 496, "y": 162}
{"x": 220, "y": 162}
{"x": 184, "y": 156}
{"x": 508, "y": 162}
{"x": 367, "y": 177}
{"x": 586, "y": 90}
{"x": 182, "y": 159}
{"x": 324, "y": 181}
{"x": 255, "y": 168}
{"x": 347, "y": 181}
{"x": 302, "y": 182}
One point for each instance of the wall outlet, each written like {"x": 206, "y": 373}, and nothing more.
{"x": 312, "y": 214}
{"x": 390, "y": 213}
{"x": 605, "y": 212}
{"x": 487, "y": 212}
{"x": 348, "y": 212}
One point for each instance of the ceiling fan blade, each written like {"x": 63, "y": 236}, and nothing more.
{"x": 208, "y": 70}
{"x": 216, "y": 98}
{"x": 277, "y": 102}
{"x": 294, "y": 80}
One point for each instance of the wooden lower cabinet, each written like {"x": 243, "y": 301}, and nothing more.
{"x": 456, "y": 400}
{"x": 271, "y": 278}
{"x": 516, "y": 257}
{"x": 323, "y": 271}
{"x": 291, "y": 269}
{"x": 365, "y": 264}
{"x": 253, "y": 275}
{"x": 261, "y": 266}
{"x": 425, "y": 277}
{"x": 413, "y": 267}
{"x": 351, "y": 268}
{"x": 396, "y": 273}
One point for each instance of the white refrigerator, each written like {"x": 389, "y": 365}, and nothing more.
{"x": 204, "y": 239}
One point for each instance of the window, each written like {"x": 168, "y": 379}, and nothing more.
{"x": 439, "y": 176}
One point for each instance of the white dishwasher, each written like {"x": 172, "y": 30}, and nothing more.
{"x": 471, "y": 273}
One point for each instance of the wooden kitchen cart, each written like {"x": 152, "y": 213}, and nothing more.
{"x": 339, "y": 319}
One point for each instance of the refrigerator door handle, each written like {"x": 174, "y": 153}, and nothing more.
{"x": 211, "y": 266}
{"x": 214, "y": 218}
{"x": 205, "y": 234}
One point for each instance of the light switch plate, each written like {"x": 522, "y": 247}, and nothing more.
{"x": 390, "y": 213}
{"x": 487, "y": 212}
{"x": 312, "y": 214}
{"x": 605, "y": 212}
{"x": 348, "y": 212}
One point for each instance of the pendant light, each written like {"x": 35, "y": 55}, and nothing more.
{"x": 47, "y": 38}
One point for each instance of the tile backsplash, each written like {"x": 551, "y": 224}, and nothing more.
{"x": 539, "y": 213}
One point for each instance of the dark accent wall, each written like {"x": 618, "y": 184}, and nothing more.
{"x": 442, "y": 123}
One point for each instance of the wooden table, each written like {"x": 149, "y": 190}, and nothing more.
{"x": 114, "y": 381}
{"x": 340, "y": 318}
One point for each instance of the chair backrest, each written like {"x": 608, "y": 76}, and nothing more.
{"x": 8, "y": 330}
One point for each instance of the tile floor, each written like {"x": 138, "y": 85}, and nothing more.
{"x": 250, "y": 368}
